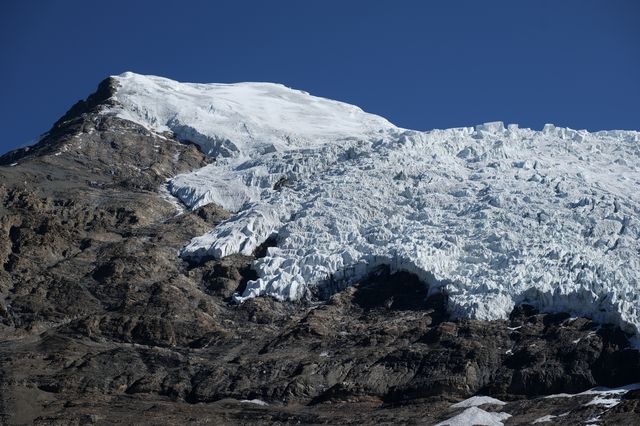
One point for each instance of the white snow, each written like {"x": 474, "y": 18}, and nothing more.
{"x": 492, "y": 216}
{"x": 476, "y": 401}
{"x": 607, "y": 402}
{"x": 254, "y": 401}
{"x": 476, "y": 416}
{"x": 600, "y": 390}
{"x": 608, "y": 397}
{"x": 544, "y": 419}
{"x": 245, "y": 118}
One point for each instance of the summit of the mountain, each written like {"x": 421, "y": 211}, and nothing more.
{"x": 492, "y": 266}
{"x": 239, "y": 119}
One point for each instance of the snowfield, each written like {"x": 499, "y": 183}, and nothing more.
{"x": 494, "y": 216}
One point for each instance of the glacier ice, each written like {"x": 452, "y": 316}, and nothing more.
{"x": 494, "y": 216}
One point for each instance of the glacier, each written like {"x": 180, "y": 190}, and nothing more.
{"x": 492, "y": 215}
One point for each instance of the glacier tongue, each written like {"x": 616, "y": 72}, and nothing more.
{"x": 494, "y": 216}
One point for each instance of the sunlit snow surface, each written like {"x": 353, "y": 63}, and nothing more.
{"x": 493, "y": 216}
{"x": 476, "y": 416}
{"x": 476, "y": 401}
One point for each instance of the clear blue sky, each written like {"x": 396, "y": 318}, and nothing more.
{"x": 420, "y": 64}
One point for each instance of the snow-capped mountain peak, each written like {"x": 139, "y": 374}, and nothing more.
{"x": 493, "y": 216}
{"x": 240, "y": 119}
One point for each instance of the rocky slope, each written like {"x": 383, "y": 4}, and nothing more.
{"x": 102, "y": 322}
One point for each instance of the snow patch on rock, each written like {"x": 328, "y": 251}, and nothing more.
{"x": 476, "y": 401}
{"x": 476, "y": 416}
{"x": 255, "y": 401}
{"x": 544, "y": 419}
{"x": 607, "y": 397}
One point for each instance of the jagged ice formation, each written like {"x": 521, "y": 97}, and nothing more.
{"x": 493, "y": 216}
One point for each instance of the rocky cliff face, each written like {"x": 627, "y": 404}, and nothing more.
{"x": 101, "y": 321}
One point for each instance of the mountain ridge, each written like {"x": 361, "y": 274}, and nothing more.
{"x": 101, "y": 319}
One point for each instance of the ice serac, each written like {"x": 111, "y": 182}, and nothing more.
{"x": 494, "y": 216}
